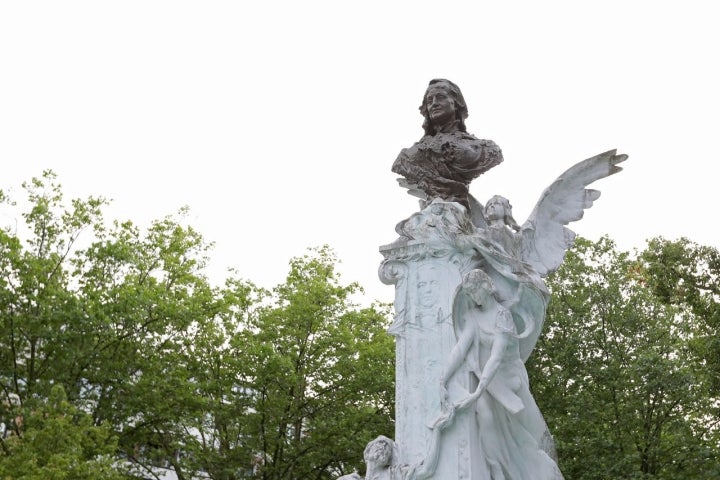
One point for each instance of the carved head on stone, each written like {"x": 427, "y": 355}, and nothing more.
{"x": 443, "y": 107}
{"x": 428, "y": 287}
{"x": 498, "y": 208}
{"x": 379, "y": 452}
{"x": 479, "y": 286}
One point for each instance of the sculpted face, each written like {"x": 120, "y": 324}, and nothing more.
{"x": 480, "y": 293}
{"x": 427, "y": 287}
{"x": 494, "y": 210}
{"x": 440, "y": 105}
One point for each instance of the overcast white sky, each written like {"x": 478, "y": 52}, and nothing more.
{"x": 277, "y": 122}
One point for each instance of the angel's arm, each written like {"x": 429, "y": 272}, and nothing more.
{"x": 500, "y": 342}
{"x": 458, "y": 354}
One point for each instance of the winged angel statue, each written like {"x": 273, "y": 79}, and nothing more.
{"x": 499, "y": 308}
{"x": 518, "y": 257}
{"x": 498, "y": 314}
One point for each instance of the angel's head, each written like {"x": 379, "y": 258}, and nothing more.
{"x": 443, "y": 104}
{"x": 499, "y": 208}
{"x": 479, "y": 286}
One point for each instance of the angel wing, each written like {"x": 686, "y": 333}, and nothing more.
{"x": 477, "y": 217}
{"x": 544, "y": 237}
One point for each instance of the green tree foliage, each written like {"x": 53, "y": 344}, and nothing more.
{"x": 36, "y": 299}
{"x": 687, "y": 276}
{"x": 319, "y": 400}
{"x": 53, "y": 440}
{"x": 626, "y": 370}
{"x": 287, "y": 384}
{"x": 228, "y": 381}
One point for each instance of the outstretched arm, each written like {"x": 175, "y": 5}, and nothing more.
{"x": 427, "y": 466}
{"x": 456, "y": 357}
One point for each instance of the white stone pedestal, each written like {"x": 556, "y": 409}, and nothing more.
{"x": 426, "y": 275}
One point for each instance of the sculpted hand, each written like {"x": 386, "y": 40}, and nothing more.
{"x": 448, "y": 410}
{"x": 472, "y": 398}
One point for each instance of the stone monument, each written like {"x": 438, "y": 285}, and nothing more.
{"x": 470, "y": 303}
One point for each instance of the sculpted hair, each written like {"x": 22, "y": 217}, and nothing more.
{"x": 380, "y": 439}
{"x": 477, "y": 277}
{"x": 461, "y": 111}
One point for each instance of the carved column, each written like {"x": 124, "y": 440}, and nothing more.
{"x": 426, "y": 274}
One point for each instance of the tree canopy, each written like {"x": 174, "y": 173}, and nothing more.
{"x": 224, "y": 381}
{"x": 626, "y": 371}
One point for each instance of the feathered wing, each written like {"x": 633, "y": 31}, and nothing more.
{"x": 477, "y": 217}
{"x": 545, "y": 238}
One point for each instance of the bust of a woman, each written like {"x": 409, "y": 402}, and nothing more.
{"x": 447, "y": 158}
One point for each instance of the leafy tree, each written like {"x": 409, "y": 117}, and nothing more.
{"x": 687, "y": 275}
{"x": 145, "y": 300}
{"x": 53, "y": 440}
{"x": 225, "y": 380}
{"x": 621, "y": 371}
{"x": 195, "y": 419}
{"x": 36, "y": 302}
{"x": 288, "y": 384}
{"x": 325, "y": 386}
{"x": 105, "y": 321}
